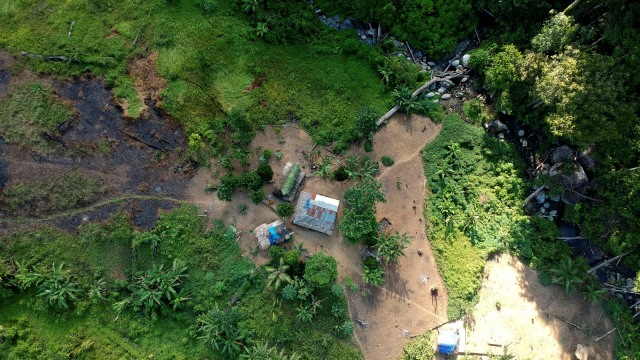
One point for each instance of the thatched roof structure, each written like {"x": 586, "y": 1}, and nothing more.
{"x": 277, "y": 192}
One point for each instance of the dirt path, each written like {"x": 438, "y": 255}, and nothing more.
{"x": 404, "y": 301}
{"x": 525, "y": 325}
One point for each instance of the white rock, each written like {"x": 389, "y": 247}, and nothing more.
{"x": 430, "y": 95}
{"x": 442, "y": 90}
{"x": 525, "y": 143}
{"x": 465, "y": 60}
{"x": 455, "y": 63}
{"x": 446, "y": 96}
{"x": 464, "y": 79}
{"x": 553, "y": 212}
{"x": 363, "y": 37}
{"x": 521, "y": 133}
{"x": 501, "y": 136}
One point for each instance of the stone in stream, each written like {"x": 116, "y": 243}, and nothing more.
{"x": 430, "y": 95}
{"x": 431, "y": 63}
{"x": 541, "y": 197}
{"x": 500, "y": 125}
{"x": 555, "y": 198}
{"x": 553, "y": 212}
{"x": 501, "y": 136}
{"x": 464, "y": 79}
{"x": 524, "y": 143}
{"x": 546, "y": 205}
{"x": 446, "y": 96}
{"x": 455, "y": 63}
{"x": 465, "y": 60}
{"x": 442, "y": 90}
{"x": 521, "y": 133}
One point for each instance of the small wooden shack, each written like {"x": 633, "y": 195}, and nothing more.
{"x": 271, "y": 234}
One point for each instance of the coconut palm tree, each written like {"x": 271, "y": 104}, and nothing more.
{"x": 278, "y": 276}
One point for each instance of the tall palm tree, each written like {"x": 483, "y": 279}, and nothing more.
{"x": 278, "y": 276}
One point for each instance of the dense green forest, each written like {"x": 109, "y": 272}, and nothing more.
{"x": 566, "y": 70}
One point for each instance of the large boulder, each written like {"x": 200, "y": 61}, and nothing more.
{"x": 585, "y": 159}
{"x": 562, "y": 154}
{"x": 465, "y": 60}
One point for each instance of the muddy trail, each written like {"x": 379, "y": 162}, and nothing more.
{"x": 138, "y": 161}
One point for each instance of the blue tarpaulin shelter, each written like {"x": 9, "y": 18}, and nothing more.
{"x": 447, "y": 341}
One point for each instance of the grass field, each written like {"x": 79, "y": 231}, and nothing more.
{"x": 209, "y": 58}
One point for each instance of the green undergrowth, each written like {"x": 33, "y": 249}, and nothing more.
{"x": 105, "y": 318}
{"x": 29, "y": 113}
{"x": 58, "y": 192}
{"x": 474, "y": 209}
{"x": 211, "y": 58}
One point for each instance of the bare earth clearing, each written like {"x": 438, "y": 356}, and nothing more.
{"x": 525, "y": 326}
{"x": 404, "y": 302}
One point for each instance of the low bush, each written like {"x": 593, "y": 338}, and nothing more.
{"x": 387, "y": 161}
{"x": 285, "y": 209}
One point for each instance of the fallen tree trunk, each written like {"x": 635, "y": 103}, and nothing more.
{"x": 605, "y": 263}
{"x": 526, "y": 201}
{"x": 420, "y": 90}
{"x": 605, "y": 335}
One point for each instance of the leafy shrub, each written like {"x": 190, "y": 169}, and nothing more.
{"x": 265, "y": 172}
{"x": 341, "y": 174}
{"x": 474, "y": 109}
{"x": 337, "y": 290}
{"x": 373, "y": 274}
{"x": 365, "y": 124}
{"x": 368, "y": 146}
{"x": 276, "y": 253}
{"x": 419, "y": 348}
{"x": 387, "y": 160}
{"x": 291, "y": 258}
{"x": 321, "y": 270}
{"x": 285, "y": 209}
{"x": 257, "y": 196}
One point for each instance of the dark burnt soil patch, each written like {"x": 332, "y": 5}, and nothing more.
{"x": 131, "y": 157}
{"x": 142, "y": 213}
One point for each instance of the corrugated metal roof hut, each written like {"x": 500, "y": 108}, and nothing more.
{"x": 316, "y": 212}
{"x": 271, "y": 234}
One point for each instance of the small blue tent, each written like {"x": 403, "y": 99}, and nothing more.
{"x": 447, "y": 341}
